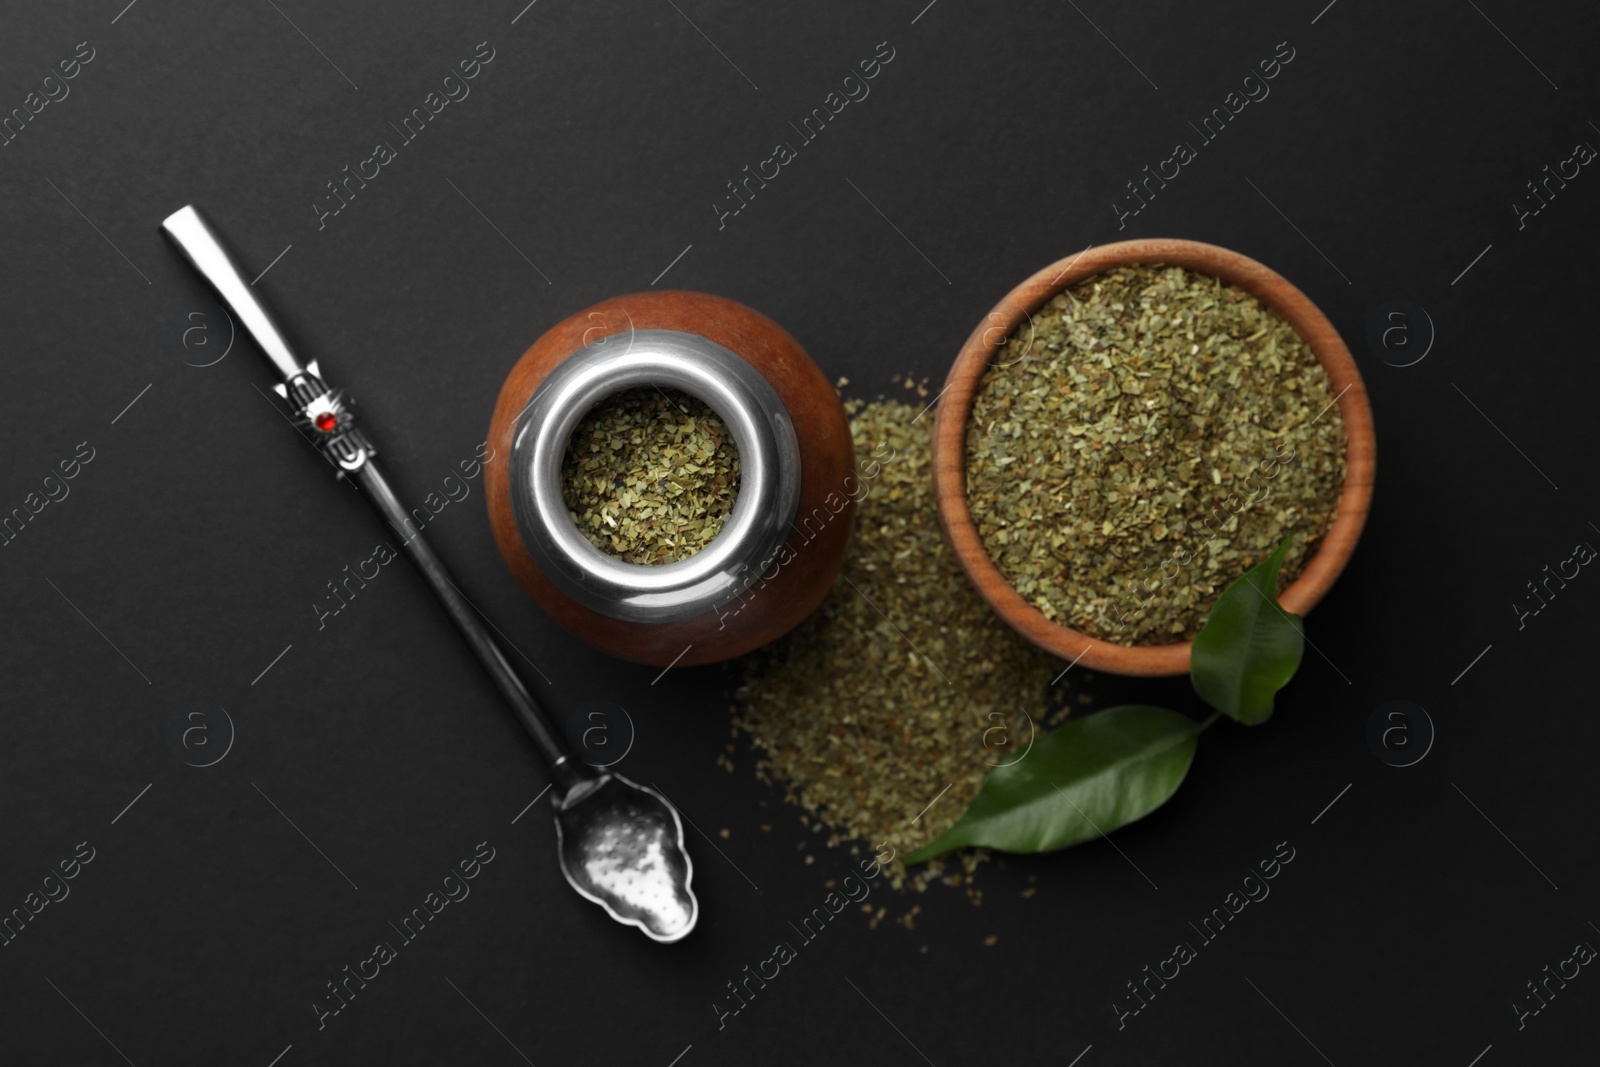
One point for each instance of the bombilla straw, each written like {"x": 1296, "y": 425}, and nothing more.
{"x": 325, "y": 412}
{"x": 620, "y": 844}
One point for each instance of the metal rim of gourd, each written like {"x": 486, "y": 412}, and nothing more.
{"x": 764, "y": 503}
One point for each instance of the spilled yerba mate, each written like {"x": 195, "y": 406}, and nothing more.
{"x": 881, "y": 714}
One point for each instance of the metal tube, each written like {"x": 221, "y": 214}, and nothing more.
{"x": 202, "y": 247}
{"x": 376, "y": 488}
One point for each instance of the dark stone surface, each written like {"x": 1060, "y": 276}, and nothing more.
{"x": 191, "y": 548}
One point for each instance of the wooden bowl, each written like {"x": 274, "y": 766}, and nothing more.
{"x": 770, "y": 604}
{"x": 955, "y": 406}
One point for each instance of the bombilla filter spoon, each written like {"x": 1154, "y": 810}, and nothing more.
{"x": 620, "y": 844}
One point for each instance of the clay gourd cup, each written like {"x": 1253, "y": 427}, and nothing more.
{"x": 955, "y": 407}
{"x": 782, "y": 546}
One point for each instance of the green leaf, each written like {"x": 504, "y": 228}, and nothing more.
{"x": 1250, "y": 647}
{"x": 1080, "y": 781}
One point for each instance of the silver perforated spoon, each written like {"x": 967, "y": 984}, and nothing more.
{"x": 621, "y": 844}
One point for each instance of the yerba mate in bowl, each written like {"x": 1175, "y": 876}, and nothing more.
{"x": 650, "y": 475}
{"x": 1132, "y": 429}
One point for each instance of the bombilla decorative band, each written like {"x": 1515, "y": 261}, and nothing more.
{"x": 324, "y": 416}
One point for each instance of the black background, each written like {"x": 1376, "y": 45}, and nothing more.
{"x": 596, "y": 141}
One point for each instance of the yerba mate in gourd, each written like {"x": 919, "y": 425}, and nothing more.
{"x": 650, "y": 475}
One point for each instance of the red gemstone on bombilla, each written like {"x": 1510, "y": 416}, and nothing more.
{"x": 327, "y": 421}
